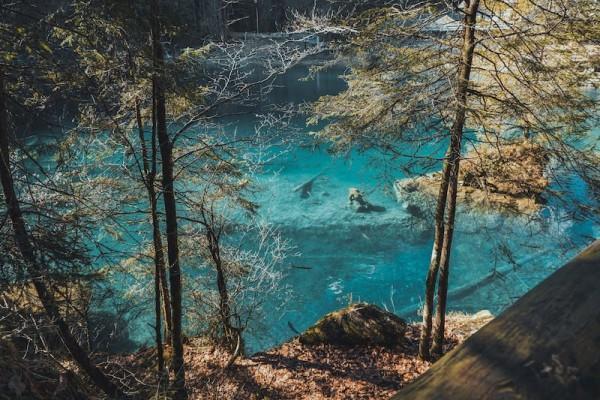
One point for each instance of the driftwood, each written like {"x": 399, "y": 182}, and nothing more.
{"x": 546, "y": 346}
{"x": 305, "y": 189}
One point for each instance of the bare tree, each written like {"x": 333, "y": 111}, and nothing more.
{"x": 34, "y": 269}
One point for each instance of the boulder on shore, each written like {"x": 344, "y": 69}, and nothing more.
{"x": 357, "y": 324}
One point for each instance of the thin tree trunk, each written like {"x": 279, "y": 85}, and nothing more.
{"x": 444, "y": 271}
{"x": 157, "y": 307}
{"x": 34, "y": 269}
{"x": 230, "y": 332}
{"x": 425, "y": 339}
{"x": 150, "y": 180}
{"x": 156, "y": 235}
{"x": 166, "y": 152}
{"x": 197, "y": 15}
{"x": 148, "y": 177}
{"x": 457, "y": 132}
{"x": 222, "y": 20}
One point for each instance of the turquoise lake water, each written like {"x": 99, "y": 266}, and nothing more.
{"x": 382, "y": 258}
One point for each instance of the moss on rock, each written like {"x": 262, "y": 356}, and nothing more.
{"x": 357, "y": 324}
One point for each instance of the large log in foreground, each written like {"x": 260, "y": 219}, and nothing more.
{"x": 545, "y": 346}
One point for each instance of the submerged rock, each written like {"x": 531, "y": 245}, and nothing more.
{"x": 357, "y": 324}
{"x": 414, "y": 198}
{"x": 509, "y": 177}
{"x": 359, "y": 203}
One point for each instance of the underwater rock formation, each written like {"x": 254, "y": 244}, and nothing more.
{"x": 357, "y": 324}
{"x": 416, "y": 196}
{"x": 508, "y": 177}
{"x": 359, "y": 204}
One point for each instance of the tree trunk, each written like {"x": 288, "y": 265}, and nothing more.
{"x": 446, "y": 203}
{"x": 444, "y": 271}
{"x": 149, "y": 176}
{"x": 34, "y": 269}
{"x": 197, "y": 15}
{"x": 229, "y": 331}
{"x": 470, "y": 20}
{"x": 157, "y": 238}
{"x": 166, "y": 152}
{"x": 425, "y": 339}
{"x": 214, "y": 19}
{"x": 157, "y": 304}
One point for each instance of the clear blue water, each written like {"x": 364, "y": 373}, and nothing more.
{"x": 381, "y": 258}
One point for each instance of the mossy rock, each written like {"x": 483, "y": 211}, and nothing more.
{"x": 357, "y": 324}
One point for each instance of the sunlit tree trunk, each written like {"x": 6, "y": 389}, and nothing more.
{"x": 34, "y": 269}
{"x": 454, "y": 161}
{"x": 434, "y": 265}
{"x": 166, "y": 152}
{"x": 446, "y": 205}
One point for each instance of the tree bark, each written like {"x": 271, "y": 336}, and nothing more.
{"x": 425, "y": 340}
{"x": 166, "y": 152}
{"x": 149, "y": 177}
{"x": 231, "y": 334}
{"x": 34, "y": 269}
{"x": 464, "y": 76}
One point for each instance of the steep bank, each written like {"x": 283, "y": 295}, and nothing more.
{"x": 297, "y": 371}
{"x": 290, "y": 371}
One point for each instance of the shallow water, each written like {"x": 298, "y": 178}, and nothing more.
{"x": 382, "y": 257}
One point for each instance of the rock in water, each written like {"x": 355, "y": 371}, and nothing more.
{"x": 413, "y": 198}
{"x": 359, "y": 204}
{"x": 483, "y": 314}
{"x": 507, "y": 176}
{"x": 358, "y": 324}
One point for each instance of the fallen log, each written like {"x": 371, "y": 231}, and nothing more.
{"x": 305, "y": 188}
{"x": 545, "y": 346}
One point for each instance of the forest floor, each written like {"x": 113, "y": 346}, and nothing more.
{"x": 296, "y": 371}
